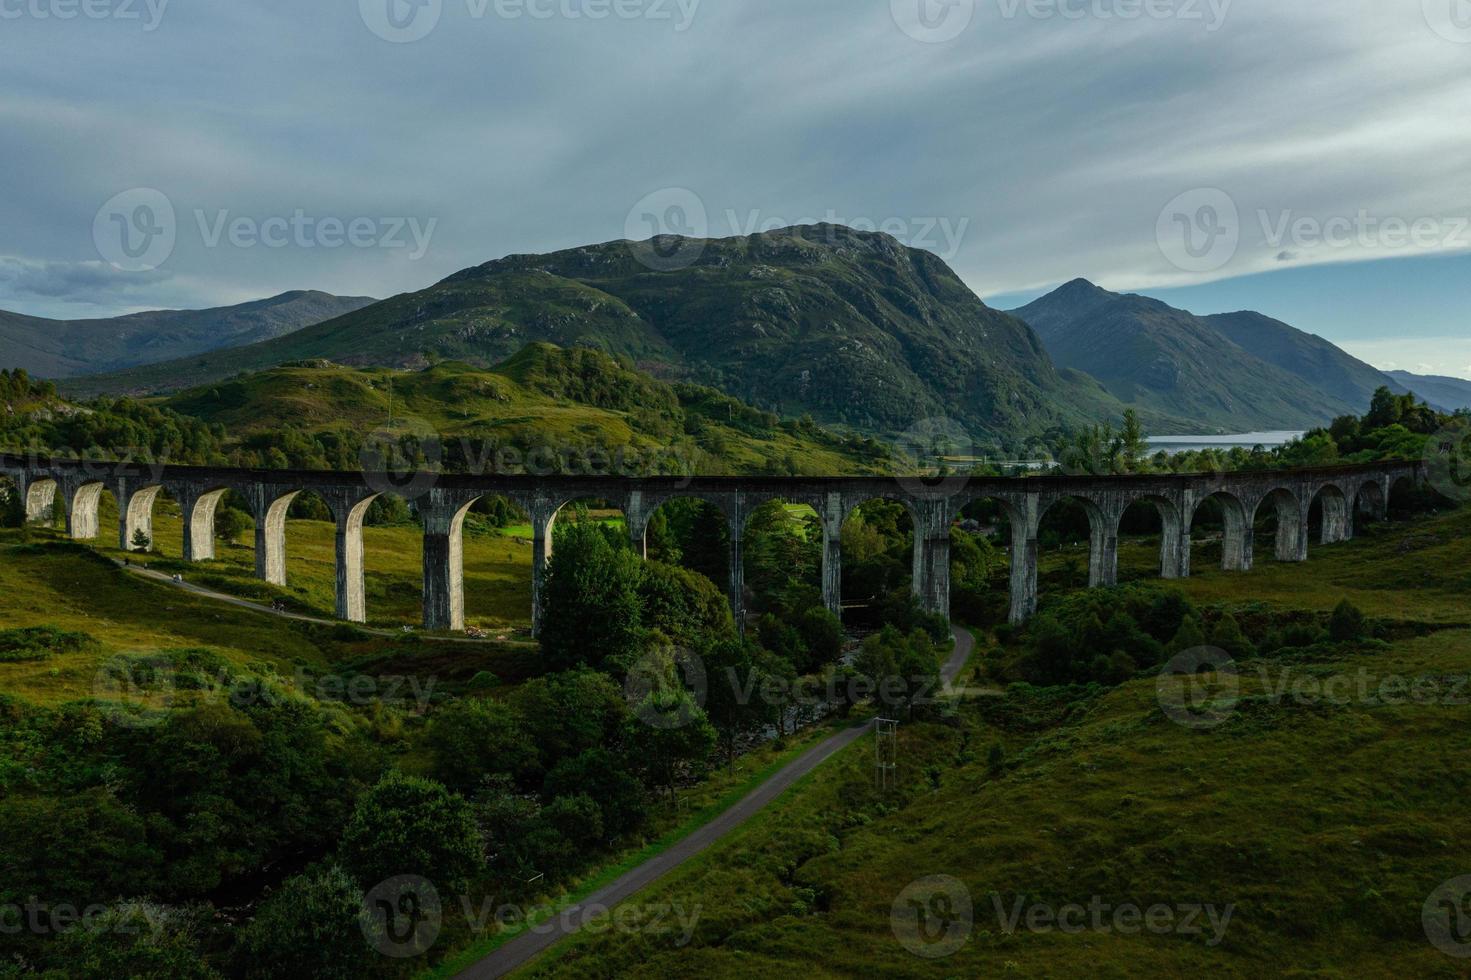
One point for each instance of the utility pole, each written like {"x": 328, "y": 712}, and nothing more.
{"x": 886, "y": 745}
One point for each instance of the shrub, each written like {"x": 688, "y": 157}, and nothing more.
{"x": 1346, "y": 624}
{"x": 472, "y": 739}
{"x": 410, "y": 826}
{"x": 311, "y": 927}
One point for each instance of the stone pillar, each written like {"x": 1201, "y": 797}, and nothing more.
{"x": 270, "y": 534}
{"x": 199, "y": 523}
{"x": 832, "y": 554}
{"x": 1103, "y": 548}
{"x": 135, "y": 513}
{"x": 931, "y": 580}
{"x": 1025, "y": 521}
{"x": 444, "y": 564}
{"x": 82, "y": 501}
{"x": 1174, "y": 548}
{"x": 1336, "y": 525}
{"x": 40, "y": 500}
{"x": 352, "y": 603}
{"x": 636, "y": 519}
{"x": 541, "y": 554}
{"x": 737, "y": 518}
{"x": 1292, "y": 529}
{"x": 1238, "y": 538}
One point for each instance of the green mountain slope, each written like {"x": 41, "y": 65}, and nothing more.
{"x": 66, "y": 348}
{"x": 1169, "y": 361}
{"x": 1308, "y": 356}
{"x": 851, "y": 327}
{"x": 565, "y": 405}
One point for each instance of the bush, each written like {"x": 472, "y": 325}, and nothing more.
{"x": 472, "y": 739}
{"x": 1346, "y": 624}
{"x": 312, "y": 926}
{"x": 411, "y": 826}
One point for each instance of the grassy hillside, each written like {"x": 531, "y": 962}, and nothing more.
{"x": 850, "y": 327}
{"x": 542, "y": 397}
{"x": 1323, "y": 824}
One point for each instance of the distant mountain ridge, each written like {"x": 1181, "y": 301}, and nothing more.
{"x": 1447, "y": 394}
{"x": 1153, "y": 356}
{"x": 69, "y": 348}
{"x": 851, "y": 327}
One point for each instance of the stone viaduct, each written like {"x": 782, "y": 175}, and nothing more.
{"x": 934, "y": 504}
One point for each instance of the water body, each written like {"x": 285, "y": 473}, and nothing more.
{"x": 1246, "y": 440}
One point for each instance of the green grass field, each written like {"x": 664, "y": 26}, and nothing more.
{"x": 1323, "y": 824}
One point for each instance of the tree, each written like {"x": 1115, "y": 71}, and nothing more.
{"x": 472, "y": 738}
{"x": 734, "y": 678}
{"x": 1227, "y": 636}
{"x": 1190, "y": 636}
{"x": 900, "y": 668}
{"x": 1385, "y": 409}
{"x": 411, "y": 826}
{"x": 231, "y": 522}
{"x": 140, "y": 541}
{"x": 665, "y": 748}
{"x": 822, "y": 637}
{"x": 1346, "y": 624}
{"x": 135, "y": 939}
{"x": 591, "y": 612}
{"x": 597, "y": 773}
{"x": 311, "y": 926}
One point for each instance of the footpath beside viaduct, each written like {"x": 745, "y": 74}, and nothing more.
{"x": 443, "y": 500}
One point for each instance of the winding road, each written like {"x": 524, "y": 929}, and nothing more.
{"x": 536, "y": 940}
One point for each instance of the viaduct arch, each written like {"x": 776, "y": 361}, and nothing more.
{"x": 444, "y": 500}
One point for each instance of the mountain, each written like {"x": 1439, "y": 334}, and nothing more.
{"x": 1447, "y": 394}
{"x": 68, "y": 348}
{"x": 851, "y": 327}
{"x": 1156, "y": 357}
{"x": 1308, "y": 356}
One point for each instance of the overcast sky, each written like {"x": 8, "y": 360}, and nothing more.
{"x": 1311, "y": 159}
